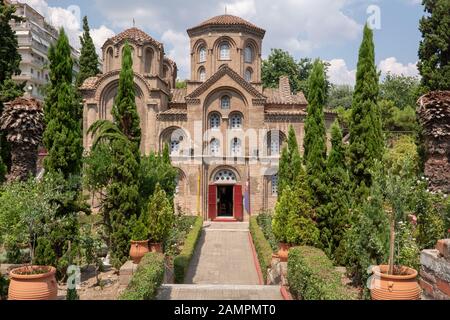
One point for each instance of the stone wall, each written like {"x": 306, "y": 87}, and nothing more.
{"x": 435, "y": 271}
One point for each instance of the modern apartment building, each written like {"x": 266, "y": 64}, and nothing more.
{"x": 35, "y": 36}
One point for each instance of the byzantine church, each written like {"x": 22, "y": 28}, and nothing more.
{"x": 225, "y": 132}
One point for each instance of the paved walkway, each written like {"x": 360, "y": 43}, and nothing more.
{"x": 223, "y": 256}
{"x": 222, "y": 268}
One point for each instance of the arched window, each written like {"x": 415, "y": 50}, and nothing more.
{"x": 275, "y": 139}
{"x": 214, "y": 121}
{"x": 165, "y": 71}
{"x": 248, "y": 75}
{"x": 236, "y": 147}
{"x": 175, "y": 146}
{"x": 214, "y": 147}
{"x": 236, "y": 121}
{"x": 202, "y": 54}
{"x": 248, "y": 54}
{"x": 225, "y": 176}
{"x": 225, "y": 51}
{"x": 274, "y": 184}
{"x": 148, "y": 60}
{"x": 225, "y": 102}
{"x": 109, "y": 59}
{"x": 202, "y": 74}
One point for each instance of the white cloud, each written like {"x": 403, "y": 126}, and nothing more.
{"x": 393, "y": 66}
{"x": 100, "y": 35}
{"x": 70, "y": 19}
{"x": 179, "y": 52}
{"x": 242, "y": 8}
{"x": 339, "y": 73}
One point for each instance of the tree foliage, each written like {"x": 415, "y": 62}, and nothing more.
{"x": 315, "y": 133}
{"x": 88, "y": 57}
{"x": 159, "y": 215}
{"x": 290, "y": 166}
{"x": 366, "y": 139}
{"x": 9, "y": 67}
{"x": 62, "y": 136}
{"x": 434, "y": 49}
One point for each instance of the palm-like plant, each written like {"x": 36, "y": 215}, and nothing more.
{"x": 22, "y": 120}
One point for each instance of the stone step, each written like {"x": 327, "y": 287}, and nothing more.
{"x": 218, "y": 292}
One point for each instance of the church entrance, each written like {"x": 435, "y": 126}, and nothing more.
{"x": 224, "y": 201}
{"x": 225, "y": 198}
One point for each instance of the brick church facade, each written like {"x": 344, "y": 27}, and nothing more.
{"x": 225, "y": 131}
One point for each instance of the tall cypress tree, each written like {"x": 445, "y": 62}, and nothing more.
{"x": 9, "y": 66}
{"x": 62, "y": 136}
{"x": 366, "y": 137}
{"x": 334, "y": 215}
{"x": 121, "y": 139}
{"x": 290, "y": 166}
{"x": 88, "y": 57}
{"x": 124, "y": 110}
{"x": 315, "y": 132}
{"x": 434, "y": 49}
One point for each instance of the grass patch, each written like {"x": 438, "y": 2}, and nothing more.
{"x": 181, "y": 261}
{"x": 312, "y": 276}
{"x": 148, "y": 278}
{"x": 262, "y": 247}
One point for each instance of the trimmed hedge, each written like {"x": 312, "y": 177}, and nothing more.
{"x": 312, "y": 276}
{"x": 148, "y": 278}
{"x": 262, "y": 246}
{"x": 181, "y": 262}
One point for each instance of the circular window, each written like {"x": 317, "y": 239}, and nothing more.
{"x": 225, "y": 176}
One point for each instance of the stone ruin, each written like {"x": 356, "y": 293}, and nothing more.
{"x": 434, "y": 116}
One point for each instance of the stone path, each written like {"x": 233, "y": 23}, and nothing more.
{"x": 222, "y": 268}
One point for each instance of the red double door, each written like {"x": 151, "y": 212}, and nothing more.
{"x": 233, "y": 204}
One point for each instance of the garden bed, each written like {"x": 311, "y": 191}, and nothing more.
{"x": 262, "y": 247}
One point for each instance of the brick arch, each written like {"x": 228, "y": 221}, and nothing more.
{"x": 225, "y": 168}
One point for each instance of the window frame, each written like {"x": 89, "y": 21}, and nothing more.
{"x": 227, "y": 56}
{"x": 225, "y": 106}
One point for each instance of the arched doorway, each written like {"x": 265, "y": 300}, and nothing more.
{"x": 225, "y": 198}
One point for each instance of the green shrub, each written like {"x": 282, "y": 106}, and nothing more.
{"x": 4, "y": 284}
{"x": 312, "y": 276}
{"x": 160, "y": 215}
{"x": 177, "y": 235}
{"x": 264, "y": 220}
{"x": 181, "y": 262}
{"x": 148, "y": 278}
{"x": 262, "y": 246}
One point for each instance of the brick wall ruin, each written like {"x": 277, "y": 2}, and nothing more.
{"x": 435, "y": 271}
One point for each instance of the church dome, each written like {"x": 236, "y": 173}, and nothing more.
{"x": 227, "y": 20}
{"x": 133, "y": 34}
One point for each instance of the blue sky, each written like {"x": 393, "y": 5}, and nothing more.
{"x": 329, "y": 29}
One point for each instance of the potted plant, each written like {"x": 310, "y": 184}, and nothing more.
{"x": 160, "y": 217}
{"x": 33, "y": 283}
{"x": 139, "y": 243}
{"x": 393, "y": 281}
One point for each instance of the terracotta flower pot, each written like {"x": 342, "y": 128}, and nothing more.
{"x": 283, "y": 251}
{"x": 138, "y": 250}
{"x": 394, "y": 287}
{"x": 156, "y": 247}
{"x": 39, "y": 286}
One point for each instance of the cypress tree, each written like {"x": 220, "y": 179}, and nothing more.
{"x": 9, "y": 66}
{"x": 366, "y": 138}
{"x": 88, "y": 57}
{"x": 124, "y": 110}
{"x": 121, "y": 138}
{"x": 434, "y": 49}
{"x": 62, "y": 136}
{"x": 315, "y": 132}
{"x": 334, "y": 215}
{"x": 290, "y": 165}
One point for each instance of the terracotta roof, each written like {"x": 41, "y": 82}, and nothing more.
{"x": 293, "y": 112}
{"x": 178, "y": 95}
{"x": 277, "y": 96}
{"x": 227, "y": 20}
{"x": 133, "y": 34}
{"x": 89, "y": 83}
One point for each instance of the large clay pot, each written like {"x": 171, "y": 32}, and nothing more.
{"x": 283, "y": 251}
{"x": 41, "y": 286}
{"x": 156, "y": 247}
{"x": 394, "y": 287}
{"x": 138, "y": 250}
